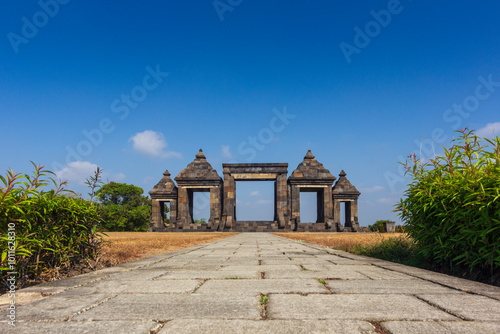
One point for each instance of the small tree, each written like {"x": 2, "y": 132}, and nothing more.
{"x": 124, "y": 208}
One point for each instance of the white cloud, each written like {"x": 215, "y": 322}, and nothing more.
{"x": 373, "y": 189}
{"x": 386, "y": 200}
{"x": 255, "y": 193}
{"x": 226, "y": 153}
{"x": 264, "y": 201}
{"x": 152, "y": 143}
{"x": 148, "y": 179}
{"x": 117, "y": 177}
{"x": 77, "y": 171}
{"x": 80, "y": 171}
{"x": 491, "y": 130}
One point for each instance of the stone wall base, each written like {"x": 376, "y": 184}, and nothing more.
{"x": 259, "y": 226}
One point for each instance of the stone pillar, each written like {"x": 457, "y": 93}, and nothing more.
{"x": 354, "y": 215}
{"x": 328, "y": 203}
{"x": 173, "y": 214}
{"x": 328, "y": 207}
{"x": 156, "y": 219}
{"x": 229, "y": 199}
{"x": 215, "y": 206}
{"x": 282, "y": 200}
{"x": 336, "y": 214}
{"x": 295, "y": 203}
{"x": 183, "y": 207}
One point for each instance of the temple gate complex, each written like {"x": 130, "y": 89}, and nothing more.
{"x": 309, "y": 176}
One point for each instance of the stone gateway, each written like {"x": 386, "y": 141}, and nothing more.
{"x": 199, "y": 176}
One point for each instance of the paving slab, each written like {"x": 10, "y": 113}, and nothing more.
{"x": 83, "y": 327}
{"x": 451, "y": 281}
{"x": 377, "y": 273}
{"x": 268, "y": 326}
{"x": 337, "y": 273}
{"x": 210, "y": 274}
{"x": 165, "y": 307}
{"x": 392, "y": 286}
{"x": 286, "y": 267}
{"x": 254, "y": 287}
{"x": 146, "y": 286}
{"x": 354, "y": 307}
{"x": 134, "y": 275}
{"x": 257, "y": 283}
{"x": 471, "y": 307}
{"x": 442, "y": 327}
{"x": 61, "y": 306}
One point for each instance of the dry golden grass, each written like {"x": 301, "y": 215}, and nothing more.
{"x": 130, "y": 246}
{"x": 341, "y": 241}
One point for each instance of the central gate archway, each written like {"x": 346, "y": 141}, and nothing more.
{"x": 255, "y": 172}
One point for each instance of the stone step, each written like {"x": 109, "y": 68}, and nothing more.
{"x": 255, "y": 222}
{"x": 255, "y": 226}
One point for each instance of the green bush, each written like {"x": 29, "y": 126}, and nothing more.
{"x": 43, "y": 229}
{"x": 452, "y": 205}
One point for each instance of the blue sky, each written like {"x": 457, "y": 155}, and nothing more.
{"x": 138, "y": 87}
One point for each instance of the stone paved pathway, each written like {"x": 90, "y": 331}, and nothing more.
{"x": 259, "y": 283}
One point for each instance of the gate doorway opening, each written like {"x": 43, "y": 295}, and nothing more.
{"x": 342, "y": 213}
{"x": 165, "y": 212}
{"x": 201, "y": 207}
{"x": 308, "y": 207}
{"x": 255, "y": 200}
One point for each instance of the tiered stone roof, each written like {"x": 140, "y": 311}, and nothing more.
{"x": 198, "y": 170}
{"x": 344, "y": 187}
{"x": 311, "y": 169}
{"x": 164, "y": 187}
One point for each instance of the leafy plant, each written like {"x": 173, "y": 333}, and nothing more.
{"x": 43, "y": 230}
{"x": 263, "y": 300}
{"x": 452, "y": 205}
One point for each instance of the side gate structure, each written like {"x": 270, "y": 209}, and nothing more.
{"x": 309, "y": 176}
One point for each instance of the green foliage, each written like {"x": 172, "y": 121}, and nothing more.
{"x": 400, "y": 229}
{"x": 400, "y": 250}
{"x": 452, "y": 205}
{"x": 378, "y": 226}
{"x": 200, "y": 221}
{"x": 124, "y": 208}
{"x": 51, "y": 228}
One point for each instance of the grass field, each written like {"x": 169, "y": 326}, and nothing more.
{"x": 341, "y": 241}
{"x": 124, "y": 247}
{"x": 130, "y": 246}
